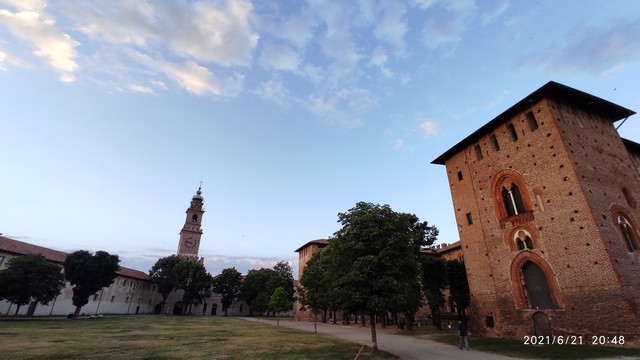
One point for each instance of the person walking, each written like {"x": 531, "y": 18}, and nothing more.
{"x": 464, "y": 335}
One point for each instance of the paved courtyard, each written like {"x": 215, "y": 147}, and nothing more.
{"x": 405, "y": 347}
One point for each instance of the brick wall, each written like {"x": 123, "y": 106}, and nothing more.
{"x": 572, "y": 170}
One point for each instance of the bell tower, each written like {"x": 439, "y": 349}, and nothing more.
{"x": 191, "y": 232}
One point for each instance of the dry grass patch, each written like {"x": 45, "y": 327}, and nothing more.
{"x": 166, "y": 337}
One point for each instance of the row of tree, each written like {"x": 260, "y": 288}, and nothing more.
{"x": 33, "y": 278}
{"x": 257, "y": 288}
{"x": 373, "y": 266}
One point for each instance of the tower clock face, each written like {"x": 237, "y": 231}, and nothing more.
{"x": 190, "y": 242}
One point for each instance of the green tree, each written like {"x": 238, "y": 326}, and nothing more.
{"x": 227, "y": 284}
{"x": 458, "y": 287}
{"x": 374, "y": 260}
{"x": 192, "y": 277}
{"x": 30, "y": 278}
{"x": 279, "y": 301}
{"x": 257, "y": 288}
{"x": 88, "y": 273}
{"x": 316, "y": 291}
{"x": 163, "y": 275}
{"x": 434, "y": 281}
{"x": 283, "y": 279}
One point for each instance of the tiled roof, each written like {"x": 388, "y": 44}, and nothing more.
{"x": 22, "y": 248}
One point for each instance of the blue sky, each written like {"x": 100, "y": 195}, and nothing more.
{"x": 112, "y": 112}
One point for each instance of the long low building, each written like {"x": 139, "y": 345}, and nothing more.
{"x": 132, "y": 292}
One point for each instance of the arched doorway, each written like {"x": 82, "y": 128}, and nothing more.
{"x": 536, "y": 286}
{"x": 157, "y": 309}
{"x": 541, "y": 325}
{"x": 177, "y": 308}
{"x": 214, "y": 309}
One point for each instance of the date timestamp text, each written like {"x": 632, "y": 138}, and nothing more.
{"x": 573, "y": 340}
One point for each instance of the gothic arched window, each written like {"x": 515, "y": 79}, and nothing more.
{"x": 512, "y": 199}
{"x": 523, "y": 240}
{"x": 628, "y": 233}
{"x": 536, "y": 287}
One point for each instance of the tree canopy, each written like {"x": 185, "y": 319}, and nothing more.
{"x": 373, "y": 260}
{"x": 316, "y": 293}
{"x": 434, "y": 281}
{"x": 163, "y": 275}
{"x": 227, "y": 284}
{"x": 458, "y": 287}
{"x": 279, "y": 301}
{"x": 259, "y": 285}
{"x": 88, "y": 273}
{"x": 192, "y": 277}
{"x": 30, "y": 278}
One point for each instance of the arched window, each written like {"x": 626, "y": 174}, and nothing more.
{"x": 628, "y": 233}
{"x": 194, "y": 218}
{"x": 523, "y": 240}
{"x": 536, "y": 287}
{"x": 512, "y": 199}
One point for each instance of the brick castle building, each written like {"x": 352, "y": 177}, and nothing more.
{"x": 546, "y": 201}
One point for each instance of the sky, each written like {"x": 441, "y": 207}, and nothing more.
{"x": 288, "y": 112}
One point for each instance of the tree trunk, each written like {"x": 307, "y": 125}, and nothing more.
{"x": 334, "y": 313}
{"x": 362, "y": 319}
{"x": 17, "y": 309}
{"x": 383, "y": 321}
{"x": 437, "y": 318}
{"x": 374, "y": 337}
{"x": 77, "y": 312}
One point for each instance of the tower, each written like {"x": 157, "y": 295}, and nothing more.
{"x": 191, "y": 232}
{"x": 546, "y": 200}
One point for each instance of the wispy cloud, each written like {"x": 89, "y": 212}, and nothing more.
{"x": 398, "y": 143}
{"x": 590, "y": 48}
{"x": 195, "y": 78}
{"x": 279, "y": 57}
{"x": 446, "y": 21}
{"x": 495, "y": 13}
{"x": 428, "y": 126}
{"x": 38, "y": 30}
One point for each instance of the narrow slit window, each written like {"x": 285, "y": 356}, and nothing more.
{"x": 494, "y": 143}
{"x": 460, "y": 175}
{"x": 512, "y": 132}
{"x": 469, "y": 219}
{"x": 478, "y": 152}
{"x": 531, "y": 121}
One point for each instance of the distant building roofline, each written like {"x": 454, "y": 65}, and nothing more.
{"x": 319, "y": 242}
{"x": 22, "y": 248}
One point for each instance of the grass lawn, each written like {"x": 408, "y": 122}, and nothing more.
{"x": 166, "y": 337}
{"x": 517, "y": 348}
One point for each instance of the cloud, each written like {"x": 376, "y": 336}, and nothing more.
{"x": 589, "y": 48}
{"x": 195, "y": 78}
{"x": 216, "y": 263}
{"x": 279, "y": 57}
{"x": 398, "y": 143}
{"x": 390, "y": 22}
{"x": 429, "y": 127}
{"x": 273, "y": 90}
{"x": 38, "y": 30}
{"x": 447, "y": 20}
{"x": 212, "y": 32}
{"x": 336, "y": 40}
{"x": 491, "y": 16}
{"x": 379, "y": 59}
{"x": 140, "y": 89}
